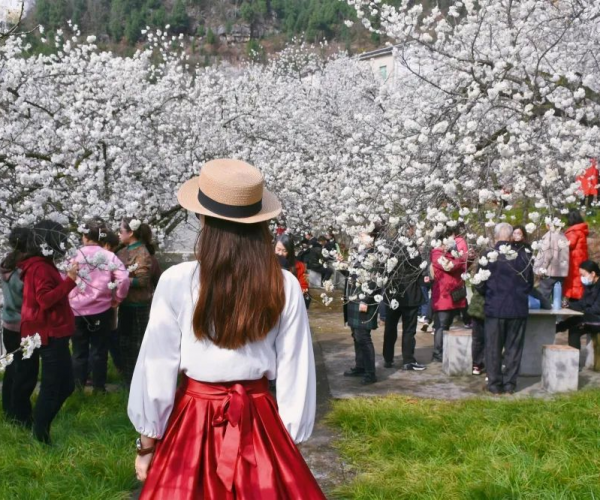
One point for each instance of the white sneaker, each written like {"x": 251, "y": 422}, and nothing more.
{"x": 421, "y": 319}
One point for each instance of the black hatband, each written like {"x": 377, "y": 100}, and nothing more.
{"x": 233, "y": 211}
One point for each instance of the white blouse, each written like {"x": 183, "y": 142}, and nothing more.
{"x": 170, "y": 347}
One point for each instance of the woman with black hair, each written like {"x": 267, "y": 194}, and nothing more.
{"x": 589, "y": 305}
{"x": 104, "y": 285}
{"x": 135, "y": 309}
{"x": 12, "y": 290}
{"x": 285, "y": 248}
{"x": 46, "y": 311}
{"x": 577, "y": 233}
{"x": 520, "y": 238}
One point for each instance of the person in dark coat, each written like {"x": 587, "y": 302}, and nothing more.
{"x": 589, "y": 305}
{"x": 361, "y": 317}
{"x": 506, "y": 309}
{"x": 404, "y": 297}
{"x": 317, "y": 262}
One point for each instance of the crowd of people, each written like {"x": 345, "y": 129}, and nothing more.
{"x": 99, "y": 305}
{"x": 431, "y": 289}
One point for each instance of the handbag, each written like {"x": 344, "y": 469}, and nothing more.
{"x": 459, "y": 293}
{"x": 307, "y": 300}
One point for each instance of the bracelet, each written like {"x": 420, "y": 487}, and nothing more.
{"x": 140, "y": 450}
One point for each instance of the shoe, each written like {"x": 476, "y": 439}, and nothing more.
{"x": 493, "y": 392}
{"x": 436, "y": 360}
{"x": 421, "y": 319}
{"x": 509, "y": 390}
{"x": 368, "y": 379}
{"x": 388, "y": 364}
{"x": 425, "y": 327}
{"x": 354, "y": 372}
{"x": 476, "y": 370}
{"x": 415, "y": 367}
{"x": 468, "y": 326}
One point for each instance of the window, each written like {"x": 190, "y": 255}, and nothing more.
{"x": 383, "y": 72}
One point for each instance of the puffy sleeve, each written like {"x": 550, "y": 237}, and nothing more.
{"x": 296, "y": 379}
{"x": 154, "y": 380}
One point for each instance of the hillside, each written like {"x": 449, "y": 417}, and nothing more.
{"x": 223, "y": 28}
{"x": 229, "y": 29}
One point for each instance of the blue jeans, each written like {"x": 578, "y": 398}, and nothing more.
{"x": 424, "y": 308}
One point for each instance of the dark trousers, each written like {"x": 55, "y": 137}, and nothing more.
{"x": 132, "y": 326}
{"x": 90, "y": 348}
{"x": 326, "y": 273}
{"x": 573, "y": 324}
{"x": 114, "y": 349}
{"x": 508, "y": 335}
{"x": 478, "y": 344}
{"x": 12, "y": 341}
{"x": 56, "y": 386}
{"x": 24, "y": 382}
{"x": 409, "y": 329}
{"x": 546, "y": 286}
{"x": 424, "y": 309}
{"x": 442, "y": 321}
{"x": 364, "y": 350}
{"x": 465, "y": 316}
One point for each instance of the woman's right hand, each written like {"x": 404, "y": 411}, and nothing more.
{"x": 73, "y": 270}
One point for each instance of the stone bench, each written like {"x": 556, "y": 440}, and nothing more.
{"x": 540, "y": 331}
{"x": 314, "y": 279}
{"x": 457, "y": 357}
{"x": 560, "y": 368}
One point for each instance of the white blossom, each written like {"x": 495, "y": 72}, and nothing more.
{"x": 30, "y": 344}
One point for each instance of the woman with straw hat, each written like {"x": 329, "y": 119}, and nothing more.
{"x": 227, "y": 323}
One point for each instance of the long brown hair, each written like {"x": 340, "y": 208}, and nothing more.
{"x": 241, "y": 284}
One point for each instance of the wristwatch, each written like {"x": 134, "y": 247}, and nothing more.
{"x": 141, "y": 451}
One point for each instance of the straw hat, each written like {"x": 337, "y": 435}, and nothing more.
{"x": 231, "y": 190}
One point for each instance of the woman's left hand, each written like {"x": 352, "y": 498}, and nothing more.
{"x": 142, "y": 466}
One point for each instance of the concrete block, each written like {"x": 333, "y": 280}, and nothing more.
{"x": 457, "y": 359}
{"x": 314, "y": 279}
{"x": 541, "y": 330}
{"x": 560, "y": 368}
{"x": 339, "y": 280}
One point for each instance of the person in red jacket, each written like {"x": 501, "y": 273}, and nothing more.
{"x": 577, "y": 233}
{"x": 285, "y": 248}
{"x": 448, "y": 265}
{"x": 589, "y": 184}
{"x": 46, "y": 311}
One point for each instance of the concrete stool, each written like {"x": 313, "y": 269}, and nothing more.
{"x": 560, "y": 368}
{"x": 339, "y": 280}
{"x": 314, "y": 279}
{"x": 457, "y": 359}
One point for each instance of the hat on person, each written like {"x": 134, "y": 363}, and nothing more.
{"x": 231, "y": 190}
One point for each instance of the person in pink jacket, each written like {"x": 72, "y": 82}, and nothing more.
{"x": 103, "y": 284}
{"x": 448, "y": 294}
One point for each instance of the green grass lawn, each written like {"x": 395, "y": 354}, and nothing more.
{"x": 91, "y": 458}
{"x": 406, "y": 448}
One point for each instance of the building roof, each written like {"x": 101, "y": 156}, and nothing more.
{"x": 372, "y": 54}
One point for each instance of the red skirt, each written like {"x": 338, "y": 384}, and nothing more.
{"x": 227, "y": 441}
